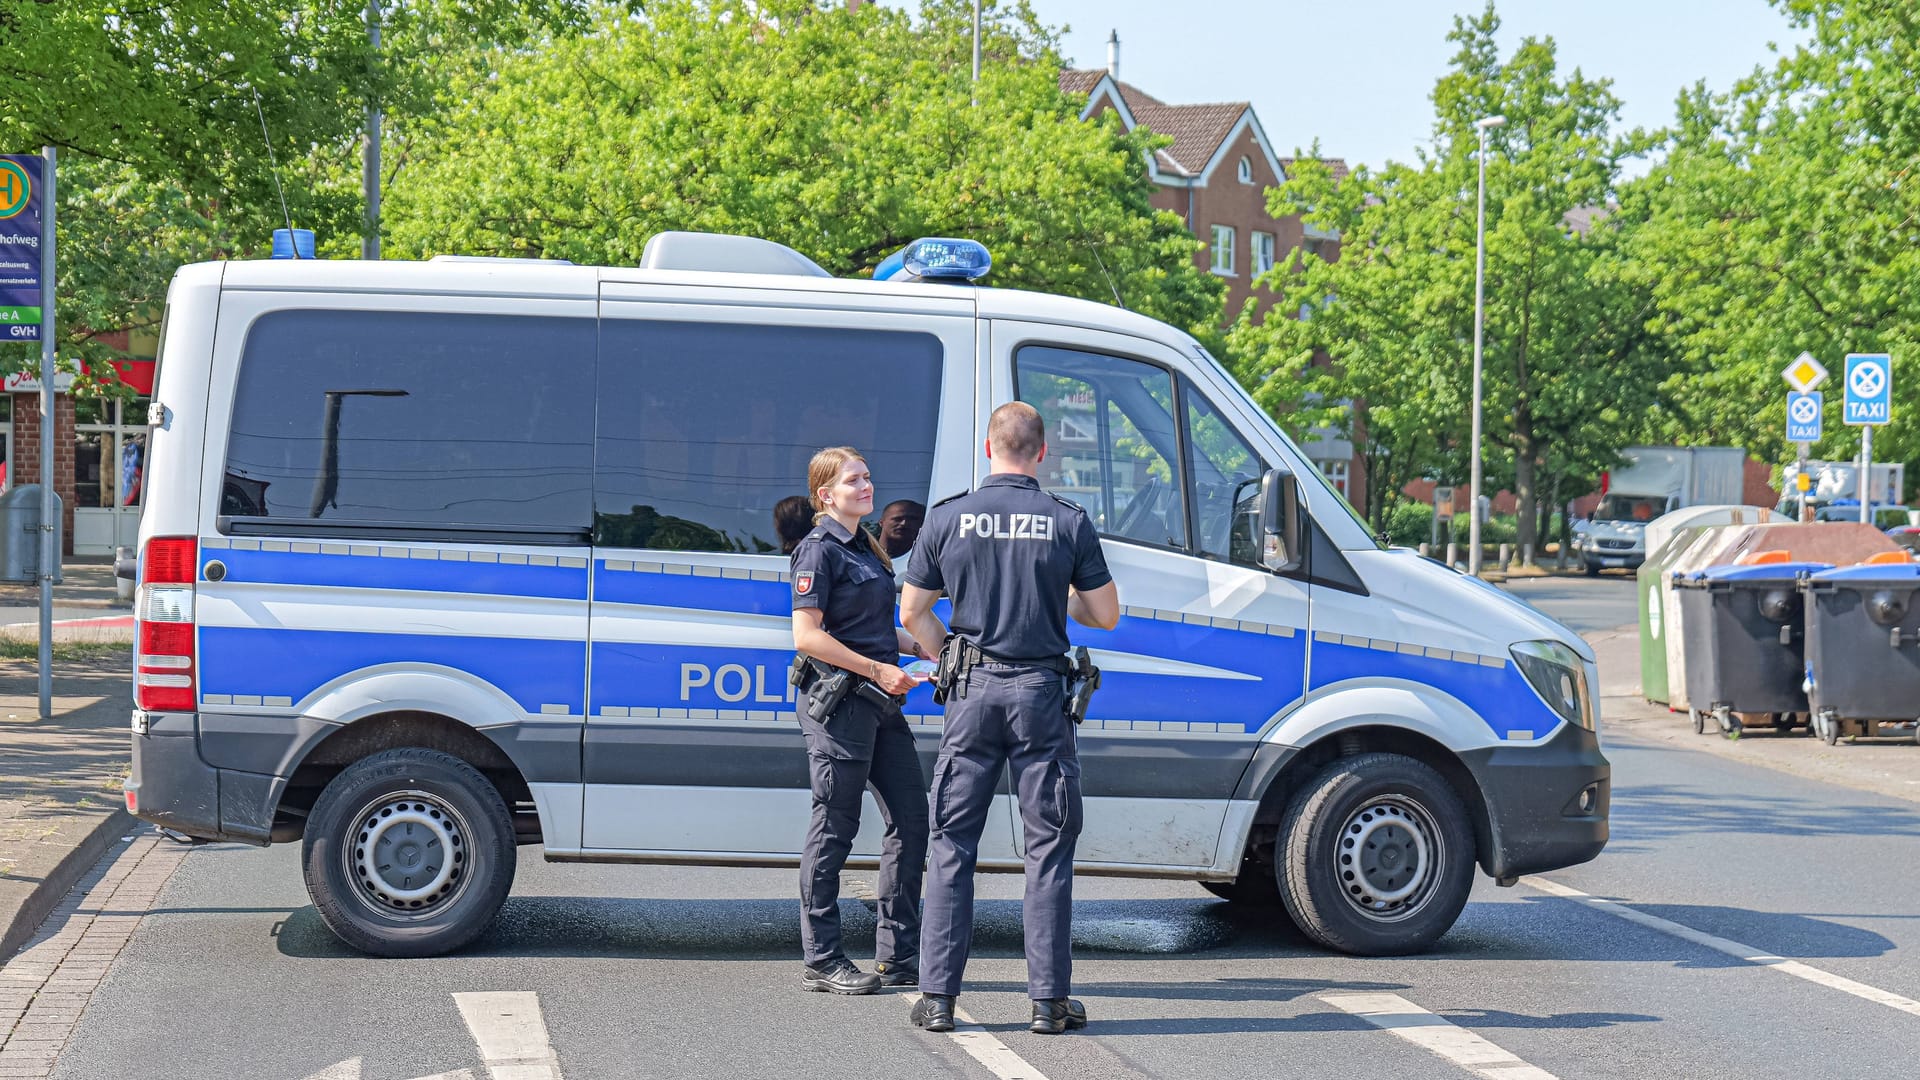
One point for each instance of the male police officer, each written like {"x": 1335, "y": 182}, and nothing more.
{"x": 1016, "y": 562}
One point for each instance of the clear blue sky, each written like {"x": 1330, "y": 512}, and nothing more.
{"x": 1357, "y": 74}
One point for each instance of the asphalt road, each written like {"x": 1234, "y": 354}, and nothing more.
{"x": 690, "y": 972}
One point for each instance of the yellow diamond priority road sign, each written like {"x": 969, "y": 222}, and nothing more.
{"x": 1804, "y": 373}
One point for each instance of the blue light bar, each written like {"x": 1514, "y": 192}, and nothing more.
{"x": 293, "y": 243}
{"x": 936, "y": 258}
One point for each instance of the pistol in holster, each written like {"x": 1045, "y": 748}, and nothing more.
{"x": 1082, "y": 680}
{"x": 957, "y": 657}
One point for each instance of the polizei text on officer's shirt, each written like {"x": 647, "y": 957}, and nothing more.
{"x": 1015, "y": 527}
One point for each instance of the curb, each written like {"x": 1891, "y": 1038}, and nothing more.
{"x": 50, "y": 890}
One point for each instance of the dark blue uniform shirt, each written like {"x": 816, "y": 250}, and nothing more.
{"x": 837, "y": 572}
{"x": 1005, "y": 554}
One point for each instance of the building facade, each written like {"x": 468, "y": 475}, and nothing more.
{"x": 1215, "y": 176}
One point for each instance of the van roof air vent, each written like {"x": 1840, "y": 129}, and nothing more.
{"x": 720, "y": 253}
{"x": 500, "y": 259}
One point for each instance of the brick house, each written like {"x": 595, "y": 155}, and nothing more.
{"x": 1215, "y": 176}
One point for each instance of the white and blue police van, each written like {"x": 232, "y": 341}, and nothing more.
{"x": 443, "y": 558}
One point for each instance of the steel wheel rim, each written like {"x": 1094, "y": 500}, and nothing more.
{"x": 1388, "y": 858}
{"x": 408, "y": 855}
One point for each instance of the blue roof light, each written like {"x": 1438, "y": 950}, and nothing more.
{"x": 293, "y": 243}
{"x": 936, "y": 258}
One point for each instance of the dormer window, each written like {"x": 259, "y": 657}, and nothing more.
{"x": 1246, "y": 171}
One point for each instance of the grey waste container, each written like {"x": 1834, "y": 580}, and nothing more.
{"x": 20, "y": 534}
{"x": 1744, "y": 639}
{"x": 1863, "y": 646}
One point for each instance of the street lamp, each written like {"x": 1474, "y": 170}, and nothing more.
{"x": 1484, "y": 125}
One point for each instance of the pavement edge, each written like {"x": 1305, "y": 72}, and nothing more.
{"x": 46, "y": 894}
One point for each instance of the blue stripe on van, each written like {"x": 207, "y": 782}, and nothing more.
{"x": 393, "y": 572}
{"x": 694, "y": 592}
{"x": 1501, "y": 696}
{"x": 294, "y": 663}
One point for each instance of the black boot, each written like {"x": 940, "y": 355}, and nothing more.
{"x": 896, "y": 974}
{"x": 1051, "y": 1016}
{"x": 933, "y": 1012}
{"x": 839, "y": 977}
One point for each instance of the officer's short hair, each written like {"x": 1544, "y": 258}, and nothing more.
{"x": 1016, "y": 432}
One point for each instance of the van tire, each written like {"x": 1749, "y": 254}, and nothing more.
{"x": 1398, "y": 803}
{"x": 417, "y": 808}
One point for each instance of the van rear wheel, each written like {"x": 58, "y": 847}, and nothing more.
{"x": 408, "y": 853}
{"x": 1376, "y": 856}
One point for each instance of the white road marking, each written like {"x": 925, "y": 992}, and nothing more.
{"x": 980, "y": 1044}
{"x": 1732, "y": 948}
{"x": 511, "y": 1034}
{"x": 353, "y": 1068}
{"x": 1393, "y": 1013}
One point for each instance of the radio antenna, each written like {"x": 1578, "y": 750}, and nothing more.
{"x": 274, "y": 166}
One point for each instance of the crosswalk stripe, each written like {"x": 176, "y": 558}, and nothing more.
{"x": 1732, "y": 948}
{"x": 1396, "y": 1014}
{"x": 980, "y": 1044}
{"x": 511, "y": 1034}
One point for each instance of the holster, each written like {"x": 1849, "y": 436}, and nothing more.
{"x": 1082, "y": 680}
{"x": 826, "y": 691}
{"x": 950, "y": 671}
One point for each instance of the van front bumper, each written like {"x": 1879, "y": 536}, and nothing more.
{"x": 1546, "y": 803}
{"x": 172, "y": 785}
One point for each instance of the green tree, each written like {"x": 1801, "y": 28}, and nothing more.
{"x": 1569, "y": 371}
{"x": 842, "y": 134}
{"x": 1785, "y": 218}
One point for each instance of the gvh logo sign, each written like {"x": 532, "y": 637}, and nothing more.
{"x": 1869, "y": 388}
{"x": 20, "y": 238}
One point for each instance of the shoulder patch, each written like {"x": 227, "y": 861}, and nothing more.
{"x": 1066, "y": 502}
{"x": 950, "y": 498}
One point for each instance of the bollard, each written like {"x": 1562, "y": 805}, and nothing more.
{"x": 1526, "y": 555}
{"x": 1426, "y": 549}
{"x": 1453, "y": 552}
{"x": 1506, "y": 556}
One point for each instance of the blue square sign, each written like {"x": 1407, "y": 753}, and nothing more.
{"x": 1803, "y": 416}
{"x": 1869, "y": 384}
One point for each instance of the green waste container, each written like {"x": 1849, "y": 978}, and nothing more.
{"x": 1654, "y": 600}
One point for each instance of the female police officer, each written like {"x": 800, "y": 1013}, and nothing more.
{"x": 843, "y": 622}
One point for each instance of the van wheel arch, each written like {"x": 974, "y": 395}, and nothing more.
{"x": 1352, "y": 742}
{"x": 388, "y": 731}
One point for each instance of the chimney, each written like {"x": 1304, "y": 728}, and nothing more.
{"x": 1113, "y": 53}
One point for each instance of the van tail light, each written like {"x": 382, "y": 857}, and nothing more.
{"x": 165, "y": 667}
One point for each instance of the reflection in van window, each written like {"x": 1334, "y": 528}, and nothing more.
{"x": 1112, "y": 444}
{"x": 706, "y": 427}
{"x": 1226, "y": 482}
{"x": 413, "y": 418}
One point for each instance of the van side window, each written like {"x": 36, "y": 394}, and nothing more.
{"x": 413, "y": 420}
{"x": 1225, "y": 482}
{"x": 706, "y": 427}
{"x": 1112, "y": 443}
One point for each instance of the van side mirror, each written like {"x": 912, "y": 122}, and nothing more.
{"x": 1281, "y": 549}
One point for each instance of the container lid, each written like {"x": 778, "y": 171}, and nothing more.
{"x": 1897, "y": 573}
{"x": 1779, "y": 571}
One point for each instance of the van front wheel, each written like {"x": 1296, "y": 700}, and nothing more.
{"x": 1376, "y": 856}
{"x": 409, "y": 852}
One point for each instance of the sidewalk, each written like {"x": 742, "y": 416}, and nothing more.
{"x": 1884, "y": 766}
{"x": 86, "y": 608}
{"x": 60, "y": 782}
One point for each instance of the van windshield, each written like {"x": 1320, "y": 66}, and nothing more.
{"x": 1640, "y": 508}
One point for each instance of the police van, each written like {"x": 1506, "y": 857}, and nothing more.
{"x": 442, "y": 558}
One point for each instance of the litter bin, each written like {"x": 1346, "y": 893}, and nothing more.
{"x": 1863, "y": 647}
{"x": 20, "y": 535}
{"x": 1650, "y": 586}
{"x": 1745, "y": 640}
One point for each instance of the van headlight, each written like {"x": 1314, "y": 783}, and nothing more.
{"x": 1557, "y": 675}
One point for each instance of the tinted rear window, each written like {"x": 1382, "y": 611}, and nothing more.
{"x": 414, "y": 420}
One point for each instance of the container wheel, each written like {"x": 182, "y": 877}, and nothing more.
{"x": 1699, "y": 721}
{"x": 409, "y": 852}
{"x": 1829, "y": 728}
{"x": 1376, "y": 856}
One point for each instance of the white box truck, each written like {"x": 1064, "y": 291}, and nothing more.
{"x": 1657, "y": 480}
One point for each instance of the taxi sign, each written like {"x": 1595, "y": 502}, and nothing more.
{"x": 1803, "y": 416}
{"x": 1869, "y": 381}
{"x": 1804, "y": 373}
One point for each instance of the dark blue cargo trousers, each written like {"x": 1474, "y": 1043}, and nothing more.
{"x": 1013, "y": 715}
{"x": 862, "y": 744}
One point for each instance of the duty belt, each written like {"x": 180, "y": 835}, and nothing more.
{"x": 959, "y": 656}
